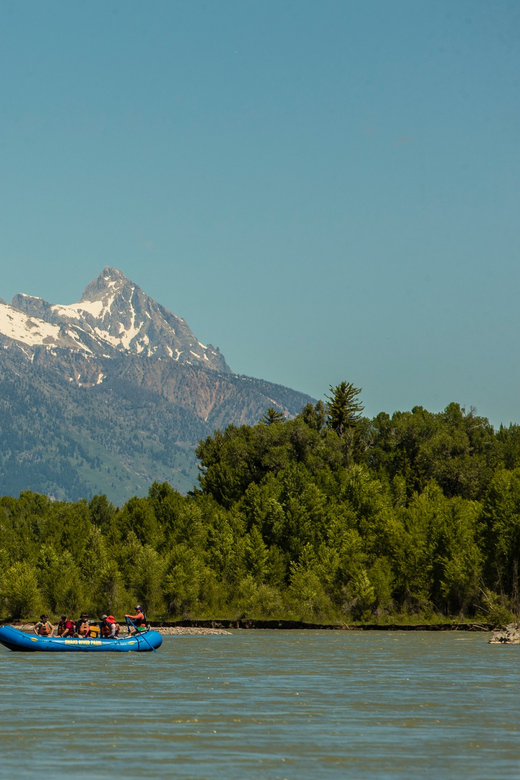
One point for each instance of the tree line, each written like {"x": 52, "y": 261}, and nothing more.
{"x": 329, "y": 516}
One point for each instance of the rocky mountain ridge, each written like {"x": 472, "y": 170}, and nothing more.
{"x": 112, "y": 393}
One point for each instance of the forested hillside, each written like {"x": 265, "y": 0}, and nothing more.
{"x": 329, "y": 516}
{"x": 74, "y": 440}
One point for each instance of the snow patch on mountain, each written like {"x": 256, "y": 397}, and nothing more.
{"x": 114, "y": 315}
{"x": 30, "y": 330}
{"x": 77, "y": 311}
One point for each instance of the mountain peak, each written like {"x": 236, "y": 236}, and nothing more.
{"x": 115, "y": 315}
{"x": 110, "y": 280}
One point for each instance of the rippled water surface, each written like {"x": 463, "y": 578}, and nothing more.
{"x": 267, "y": 704}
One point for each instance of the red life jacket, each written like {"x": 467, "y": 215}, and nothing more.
{"x": 70, "y": 625}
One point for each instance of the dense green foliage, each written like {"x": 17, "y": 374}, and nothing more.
{"x": 329, "y": 516}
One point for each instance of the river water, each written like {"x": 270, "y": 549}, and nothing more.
{"x": 267, "y": 704}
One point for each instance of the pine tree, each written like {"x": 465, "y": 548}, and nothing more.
{"x": 272, "y": 416}
{"x": 343, "y": 408}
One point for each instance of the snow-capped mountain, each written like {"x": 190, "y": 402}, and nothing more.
{"x": 114, "y": 315}
{"x": 112, "y": 393}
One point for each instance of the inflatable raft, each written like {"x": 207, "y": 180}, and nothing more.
{"x": 15, "y": 639}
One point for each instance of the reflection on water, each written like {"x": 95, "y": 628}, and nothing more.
{"x": 267, "y": 704}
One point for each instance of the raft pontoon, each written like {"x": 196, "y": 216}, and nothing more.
{"x": 15, "y": 639}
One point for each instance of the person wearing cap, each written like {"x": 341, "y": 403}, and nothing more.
{"x": 109, "y": 627}
{"x": 82, "y": 626}
{"x": 139, "y": 620}
{"x": 103, "y": 627}
{"x": 43, "y": 627}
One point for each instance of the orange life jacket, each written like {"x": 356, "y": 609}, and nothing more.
{"x": 83, "y": 628}
{"x": 43, "y": 629}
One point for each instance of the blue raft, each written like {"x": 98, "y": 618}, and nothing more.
{"x": 15, "y": 639}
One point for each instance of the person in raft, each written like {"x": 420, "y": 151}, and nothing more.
{"x": 109, "y": 627}
{"x": 138, "y": 620}
{"x": 66, "y": 627}
{"x": 82, "y": 626}
{"x": 43, "y": 627}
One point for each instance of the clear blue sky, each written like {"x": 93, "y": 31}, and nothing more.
{"x": 326, "y": 190}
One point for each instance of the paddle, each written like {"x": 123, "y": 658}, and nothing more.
{"x": 139, "y": 633}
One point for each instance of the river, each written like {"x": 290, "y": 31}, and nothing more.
{"x": 267, "y": 704}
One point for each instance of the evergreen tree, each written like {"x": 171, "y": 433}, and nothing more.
{"x": 272, "y": 416}
{"x": 343, "y": 408}
{"x": 314, "y": 416}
